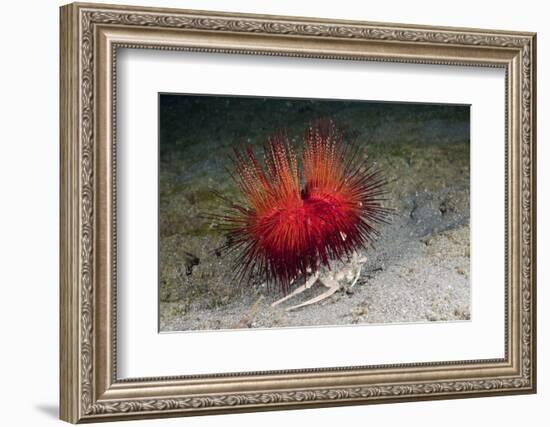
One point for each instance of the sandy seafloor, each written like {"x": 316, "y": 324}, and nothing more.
{"x": 417, "y": 271}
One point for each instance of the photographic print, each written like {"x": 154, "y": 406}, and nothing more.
{"x": 284, "y": 212}
{"x": 225, "y": 186}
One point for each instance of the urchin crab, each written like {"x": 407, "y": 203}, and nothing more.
{"x": 346, "y": 276}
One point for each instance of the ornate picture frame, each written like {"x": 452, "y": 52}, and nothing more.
{"x": 90, "y": 37}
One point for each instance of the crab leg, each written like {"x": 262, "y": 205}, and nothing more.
{"x": 333, "y": 287}
{"x": 309, "y": 283}
{"x": 356, "y": 276}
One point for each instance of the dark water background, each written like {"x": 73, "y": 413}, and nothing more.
{"x": 191, "y": 125}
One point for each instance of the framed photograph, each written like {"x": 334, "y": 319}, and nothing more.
{"x": 267, "y": 212}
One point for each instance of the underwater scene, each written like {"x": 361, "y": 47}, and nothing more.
{"x": 283, "y": 212}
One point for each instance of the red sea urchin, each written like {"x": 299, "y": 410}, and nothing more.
{"x": 285, "y": 229}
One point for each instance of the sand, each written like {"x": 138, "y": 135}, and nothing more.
{"x": 419, "y": 271}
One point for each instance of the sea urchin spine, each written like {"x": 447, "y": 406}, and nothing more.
{"x": 284, "y": 229}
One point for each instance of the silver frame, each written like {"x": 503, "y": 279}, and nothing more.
{"x": 90, "y": 37}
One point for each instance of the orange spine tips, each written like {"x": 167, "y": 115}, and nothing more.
{"x": 323, "y": 155}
